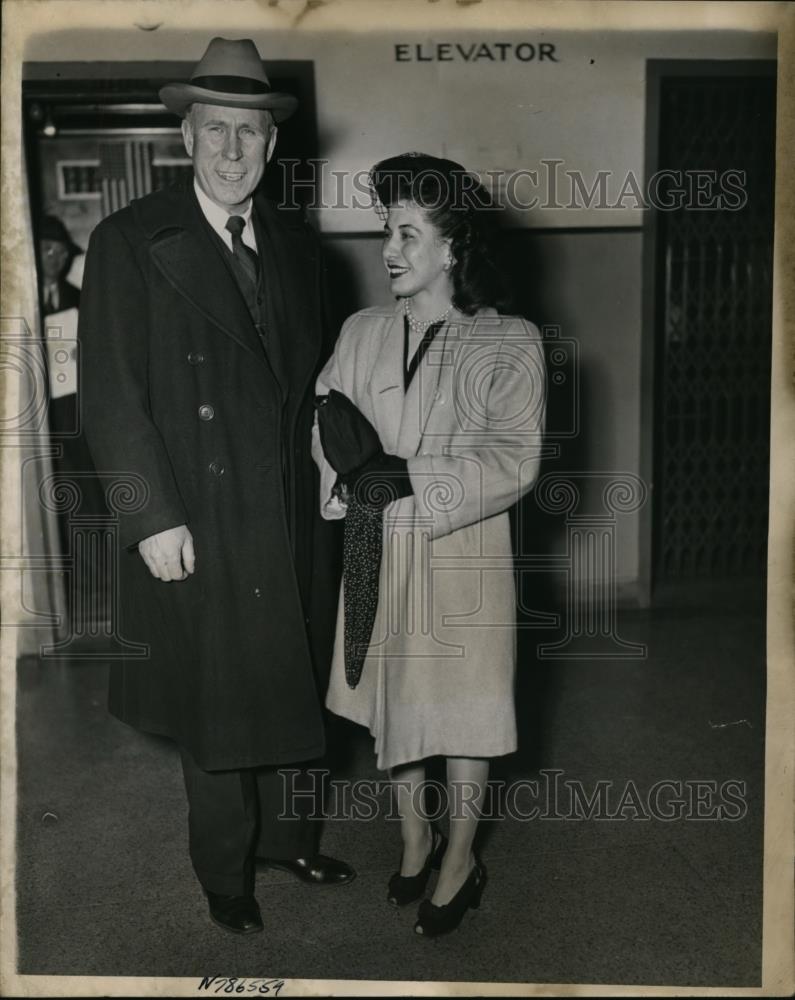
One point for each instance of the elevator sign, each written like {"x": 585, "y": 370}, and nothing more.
{"x": 472, "y": 52}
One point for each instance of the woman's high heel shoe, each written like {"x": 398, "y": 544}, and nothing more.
{"x": 435, "y": 920}
{"x": 405, "y": 889}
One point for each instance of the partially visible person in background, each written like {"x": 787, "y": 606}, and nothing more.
{"x": 57, "y": 251}
{"x": 60, "y": 302}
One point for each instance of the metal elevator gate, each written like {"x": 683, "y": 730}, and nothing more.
{"x": 713, "y": 323}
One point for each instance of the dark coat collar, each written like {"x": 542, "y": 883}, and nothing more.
{"x": 183, "y": 250}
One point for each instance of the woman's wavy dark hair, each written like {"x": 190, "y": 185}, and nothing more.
{"x": 460, "y": 209}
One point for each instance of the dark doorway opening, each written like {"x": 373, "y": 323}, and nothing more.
{"x": 712, "y": 241}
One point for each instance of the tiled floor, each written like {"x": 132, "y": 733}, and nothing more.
{"x": 105, "y": 886}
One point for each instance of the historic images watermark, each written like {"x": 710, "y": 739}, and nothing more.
{"x": 551, "y": 185}
{"x": 590, "y": 505}
{"x": 552, "y": 796}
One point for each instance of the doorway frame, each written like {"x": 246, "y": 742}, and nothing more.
{"x": 41, "y": 74}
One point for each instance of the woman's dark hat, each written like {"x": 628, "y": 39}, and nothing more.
{"x": 51, "y": 228}
{"x": 229, "y": 75}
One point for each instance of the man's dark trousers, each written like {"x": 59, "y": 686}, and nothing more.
{"x": 234, "y": 816}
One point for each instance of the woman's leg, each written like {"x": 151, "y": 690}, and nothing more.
{"x": 407, "y": 788}
{"x": 466, "y": 789}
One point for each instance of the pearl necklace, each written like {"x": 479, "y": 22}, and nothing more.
{"x": 418, "y": 326}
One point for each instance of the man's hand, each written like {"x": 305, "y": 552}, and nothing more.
{"x": 169, "y": 554}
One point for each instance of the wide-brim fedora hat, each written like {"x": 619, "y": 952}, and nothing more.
{"x": 229, "y": 74}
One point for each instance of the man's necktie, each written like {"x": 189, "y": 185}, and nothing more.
{"x": 246, "y": 257}
{"x": 248, "y": 271}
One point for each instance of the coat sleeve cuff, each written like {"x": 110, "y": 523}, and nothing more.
{"x": 133, "y": 530}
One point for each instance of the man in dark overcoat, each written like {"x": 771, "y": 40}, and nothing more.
{"x": 201, "y": 336}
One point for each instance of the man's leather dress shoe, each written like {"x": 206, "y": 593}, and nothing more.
{"x": 317, "y": 870}
{"x": 239, "y": 914}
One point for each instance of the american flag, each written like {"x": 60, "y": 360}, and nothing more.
{"x": 125, "y": 172}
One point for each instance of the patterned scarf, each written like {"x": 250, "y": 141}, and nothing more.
{"x": 364, "y": 539}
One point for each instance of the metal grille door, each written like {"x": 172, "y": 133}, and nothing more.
{"x": 714, "y": 326}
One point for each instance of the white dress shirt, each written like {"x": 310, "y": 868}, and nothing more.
{"x": 217, "y": 217}
{"x": 52, "y": 299}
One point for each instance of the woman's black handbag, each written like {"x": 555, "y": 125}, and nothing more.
{"x": 347, "y": 436}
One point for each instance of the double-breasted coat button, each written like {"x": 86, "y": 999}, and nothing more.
{"x": 216, "y": 468}
{"x": 206, "y": 412}
{"x": 195, "y": 358}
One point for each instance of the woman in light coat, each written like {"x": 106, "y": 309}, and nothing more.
{"x": 456, "y": 393}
